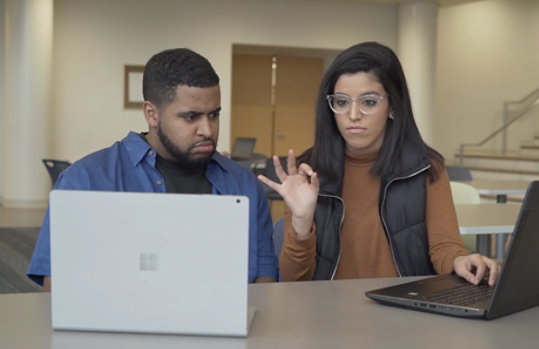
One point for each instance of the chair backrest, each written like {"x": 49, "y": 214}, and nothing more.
{"x": 458, "y": 173}
{"x": 278, "y": 228}
{"x": 464, "y": 193}
{"x": 55, "y": 167}
{"x": 269, "y": 172}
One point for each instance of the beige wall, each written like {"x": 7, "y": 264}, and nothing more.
{"x": 488, "y": 53}
{"x": 94, "y": 39}
{"x": 2, "y": 52}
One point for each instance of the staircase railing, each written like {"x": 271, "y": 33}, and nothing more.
{"x": 512, "y": 111}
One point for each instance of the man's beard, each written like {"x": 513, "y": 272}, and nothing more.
{"x": 181, "y": 156}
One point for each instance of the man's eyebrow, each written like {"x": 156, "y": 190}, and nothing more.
{"x": 190, "y": 113}
{"x": 217, "y": 110}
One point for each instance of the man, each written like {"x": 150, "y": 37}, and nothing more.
{"x": 177, "y": 155}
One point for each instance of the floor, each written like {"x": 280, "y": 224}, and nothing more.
{"x": 18, "y": 233}
{"x": 21, "y": 217}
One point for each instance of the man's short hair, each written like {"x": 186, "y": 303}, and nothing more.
{"x": 170, "y": 68}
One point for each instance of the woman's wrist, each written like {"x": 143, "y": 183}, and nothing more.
{"x": 302, "y": 227}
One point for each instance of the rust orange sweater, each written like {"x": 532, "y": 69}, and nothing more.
{"x": 365, "y": 250}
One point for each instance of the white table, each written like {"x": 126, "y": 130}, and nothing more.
{"x": 485, "y": 219}
{"x": 314, "y": 314}
{"x": 501, "y": 188}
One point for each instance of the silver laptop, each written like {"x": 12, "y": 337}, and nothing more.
{"x": 517, "y": 287}
{"x": 149, "y": 262}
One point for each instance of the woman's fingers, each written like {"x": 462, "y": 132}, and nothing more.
{"x": 494, "y": 270}
{"x": 314, "y": 181}
{"x": 305, "y": 169}
{"x": 279, "y": 171}
{"x": 273, "y": 185}
{"x": 473, "y": 268}
{"x": 291, "y": 162}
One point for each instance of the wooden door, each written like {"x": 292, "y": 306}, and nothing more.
{"x": 297, "y": 83}
{"x": 252, "y": 110}
{"x": 278, "y": 112}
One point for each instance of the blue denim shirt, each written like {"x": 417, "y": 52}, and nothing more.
{"x": 129, "y": 165}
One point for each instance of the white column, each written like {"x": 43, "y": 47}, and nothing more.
{"x": 26, "y": 129}
{"x": 417, "y": 52}
{"x": 2, "y": 103}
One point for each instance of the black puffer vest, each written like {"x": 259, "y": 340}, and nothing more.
{"x": 402, "y": 210}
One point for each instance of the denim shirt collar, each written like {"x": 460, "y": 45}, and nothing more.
{"x": 138, "y": 149}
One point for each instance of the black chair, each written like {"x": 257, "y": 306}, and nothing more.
{"x": 277, "y": 236}
{"x": 269, "y": 172}
{"x": 55, "y": 167}
{"x": 458, "y": 173}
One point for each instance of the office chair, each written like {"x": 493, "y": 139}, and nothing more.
{"x": 55, "y": 167}
{"x": 458, "y": 173}
{"x": 278, "y": 230}
{"x": 269, "y": 172}
{"x": 465, "y": 194}
{"x": 278, "y": 227}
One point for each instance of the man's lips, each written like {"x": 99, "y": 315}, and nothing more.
{"x": 204, "y": 147}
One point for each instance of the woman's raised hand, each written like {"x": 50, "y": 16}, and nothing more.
{"x": 299, "y": 189}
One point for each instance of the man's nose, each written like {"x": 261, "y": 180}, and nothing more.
{"x": 204, "y": 127}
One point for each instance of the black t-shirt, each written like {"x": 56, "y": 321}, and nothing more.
{"x": 183, "y": 179}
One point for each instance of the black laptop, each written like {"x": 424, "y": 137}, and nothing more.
{"x": 517, "y": 287}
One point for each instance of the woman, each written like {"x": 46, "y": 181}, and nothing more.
{"x": 370, "y": 199}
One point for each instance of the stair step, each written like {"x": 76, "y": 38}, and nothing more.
{"x": 490, "y": 197}
{"x": 522, "y": 164}
{"x": 503, "y": 170}
{"x": 530, "y": 149}
{"x": 497, "y": 156}
{"x": 534, "y": 145}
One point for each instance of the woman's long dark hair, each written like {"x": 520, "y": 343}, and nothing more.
{"x": 381, "y": 61}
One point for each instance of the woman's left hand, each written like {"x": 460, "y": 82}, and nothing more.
{"x": 473, "y": 267}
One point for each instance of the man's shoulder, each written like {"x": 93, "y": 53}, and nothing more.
{"x": 101, "y": 166}
{"x": 131, "y": 144}
{"x": 100, "y": 157}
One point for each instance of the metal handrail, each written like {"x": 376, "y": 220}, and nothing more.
{"x": 528, "y": 103}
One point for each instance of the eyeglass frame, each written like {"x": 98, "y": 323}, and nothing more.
{"x": 376, "y": 96}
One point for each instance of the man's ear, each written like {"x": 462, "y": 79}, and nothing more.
{"x": 151, "y": 114}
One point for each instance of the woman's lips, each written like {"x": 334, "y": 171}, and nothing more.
{"x": 356, "y": 130}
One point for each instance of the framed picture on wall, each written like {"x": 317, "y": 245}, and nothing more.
{"x": 133, "y": 86}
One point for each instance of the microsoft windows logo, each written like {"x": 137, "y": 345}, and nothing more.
{"x": 149, "y": 261}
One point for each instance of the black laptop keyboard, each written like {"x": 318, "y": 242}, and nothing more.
{"x": 464, "y": 295}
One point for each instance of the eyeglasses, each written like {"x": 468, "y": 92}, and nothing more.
{"x": 368, "y": 104}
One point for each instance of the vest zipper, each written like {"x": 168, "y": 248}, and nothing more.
{"x": 382, "y": 214}
{"x": 339, "y": 233}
